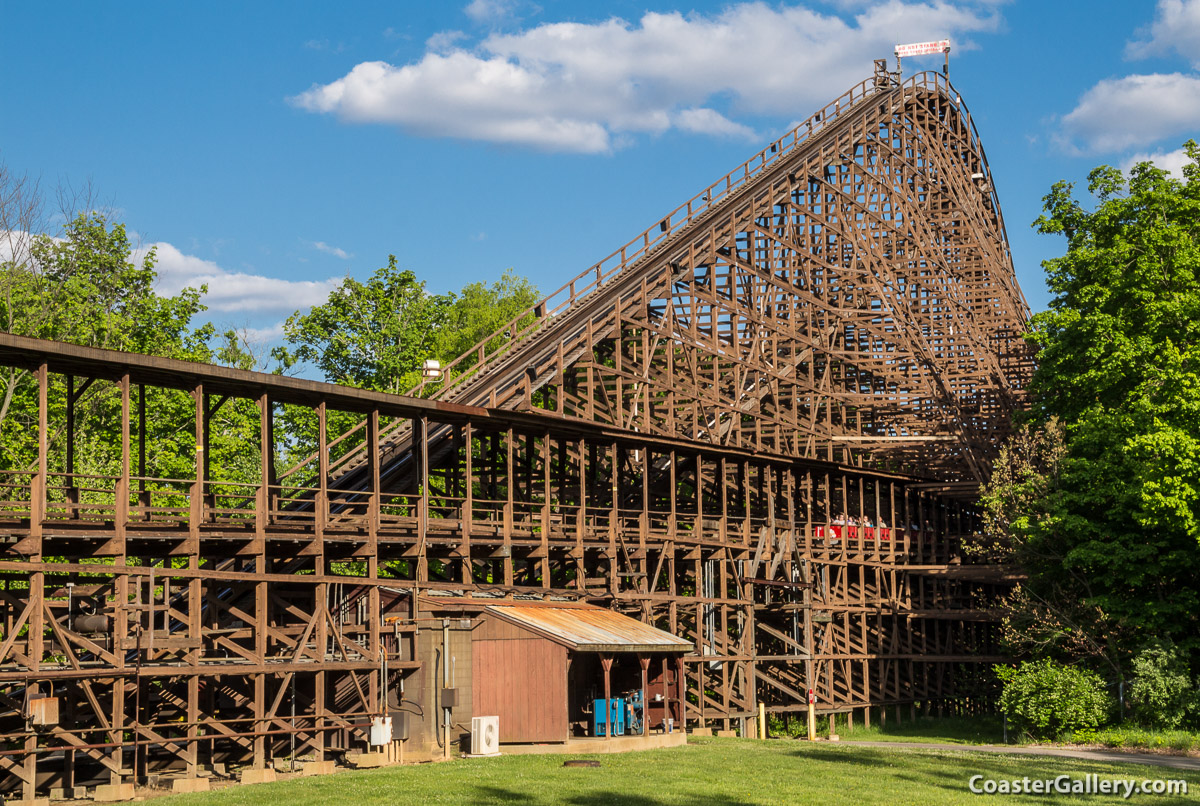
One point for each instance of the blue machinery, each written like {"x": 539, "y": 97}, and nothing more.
{"x": 622, "y": 712}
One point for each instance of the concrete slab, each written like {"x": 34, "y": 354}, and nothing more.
{"x": 366, "y": 761}
{"x": 727, "y": 734}
{"x": 108, "y": 793}
{"x": 182, "y": 785}
{"x": 34, "y": 802}
{"x": 318, "y": 768}
{"x": 701, "y": 732}
{"x": 264, "y": 776}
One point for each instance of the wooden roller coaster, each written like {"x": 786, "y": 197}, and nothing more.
{"x": 760, "y": 425}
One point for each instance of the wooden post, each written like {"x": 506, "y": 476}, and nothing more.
{"x": 467, "y": 570}
{"x": 681, "y": 687}
{"x": 37, "y": 580}
{"x": 320, "y": 601}
{"x": 422, "y": 574}
{"x": 374, "y": 605}
{"x": 606, "y": 661}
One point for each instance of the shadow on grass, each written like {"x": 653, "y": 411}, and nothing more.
{"x": 987, "y": 729}
{"x": 951, "y": 772}
{"x": 849, "y": 756}
{"x": 487, "y": 794}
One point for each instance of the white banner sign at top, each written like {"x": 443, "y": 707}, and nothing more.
{"x": 922, "y": 48}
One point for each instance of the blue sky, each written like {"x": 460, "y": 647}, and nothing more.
{"x": 273, "y": 148}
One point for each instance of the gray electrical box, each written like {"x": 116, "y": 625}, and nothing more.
{"x": 399, "y": 725}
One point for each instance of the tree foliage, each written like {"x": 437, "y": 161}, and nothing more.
{"x": 377, "y": 334}
{"x": 372, "y": 335}
{"x": 85, "y": 287}
{"x": 1161, "y": 692}
{"x": 1051, "y": 614}
{"x": 1114, "y": 519}
{"x": 481, "y": 311}
{"x": 1046, "y": 699}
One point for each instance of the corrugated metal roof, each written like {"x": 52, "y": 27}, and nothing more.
{"x": 591, "y": 629}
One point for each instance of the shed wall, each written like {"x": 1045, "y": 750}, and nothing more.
{"x": 524, "y": 682}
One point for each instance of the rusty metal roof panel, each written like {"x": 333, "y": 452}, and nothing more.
{"x": 591, "y": 629}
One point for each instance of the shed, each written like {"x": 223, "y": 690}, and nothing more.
{"x": 539, "y": 666}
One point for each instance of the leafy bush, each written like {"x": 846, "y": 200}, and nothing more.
{"x": 1161, "y": 692}
{"x": 1044, "y": 699}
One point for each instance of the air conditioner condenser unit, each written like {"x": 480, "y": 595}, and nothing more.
{"x": 485, "y": 736}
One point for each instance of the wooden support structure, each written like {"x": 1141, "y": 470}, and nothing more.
{"x": 760, "y": 426}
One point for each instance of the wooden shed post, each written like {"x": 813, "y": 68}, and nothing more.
{"x": 607, "y": 661}
{"x": 681, "y": 683}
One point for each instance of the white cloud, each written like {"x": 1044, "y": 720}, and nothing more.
{"x": 483, "y": 11}
{"x": 1176, "y": 27}
{"x": 443, "y": 41}
{"x": 1170, "y": 161}
{"x": 1136, "y": 111}
{"x": 228, "y": 292}
{"x": 710, "y": 121}
{"x": 233, "y": 292}
{"x": 1133, "y": 112}
{"x": 582, "y": 87}
{"x": 263, "y": 336}
{"x": 321, "y": 246}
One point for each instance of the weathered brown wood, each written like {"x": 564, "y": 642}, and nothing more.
{"x": 687, "y": 438}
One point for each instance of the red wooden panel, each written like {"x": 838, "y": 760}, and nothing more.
{"x": 524, "y": 682}
{"x": 494, "y": 629}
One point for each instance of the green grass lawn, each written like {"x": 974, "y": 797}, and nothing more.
{"x": 1130, "y": 736}
{"x": 990, "y": 730}
{"x": 946, "y": 730}
{"x": 706, "y": 772}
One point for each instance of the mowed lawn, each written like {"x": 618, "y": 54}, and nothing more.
{"x": 706, "y": 772}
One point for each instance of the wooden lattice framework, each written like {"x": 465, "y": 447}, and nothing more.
{"x": 830, "y": 332}
{"x": 847, "y": 294}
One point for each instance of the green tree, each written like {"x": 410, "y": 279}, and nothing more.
{"x": 85, "y": 287}
{"x": 1161, "y": 692}
{"x": 377, "y": 335}
{"x": 1051, "y": 613}
{"x": 480, "y": 312}
{"x": 1119, "y": 365}
{"x": 1046, "y": 699}
{"x": 373, "y": 334}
